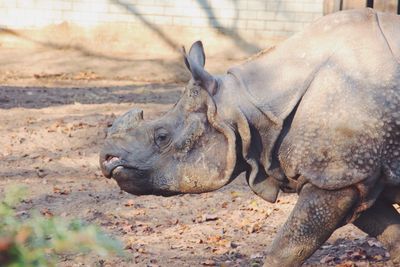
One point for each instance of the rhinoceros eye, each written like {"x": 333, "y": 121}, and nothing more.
{"x": 161, "y": 137}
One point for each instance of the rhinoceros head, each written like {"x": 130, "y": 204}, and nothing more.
{"x": 187, "y": 150}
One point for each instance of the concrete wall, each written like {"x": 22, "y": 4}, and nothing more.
{"x": 245, "y": 24}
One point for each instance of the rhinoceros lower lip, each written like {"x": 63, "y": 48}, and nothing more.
{"x": 116, "y": 169}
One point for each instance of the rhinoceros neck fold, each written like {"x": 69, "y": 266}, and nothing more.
{"x": 225, "y": 128}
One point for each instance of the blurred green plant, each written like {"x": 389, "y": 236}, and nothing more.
{"x": 38, "y": 240}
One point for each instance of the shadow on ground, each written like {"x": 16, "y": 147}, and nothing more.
{"x": 40, "y": 97}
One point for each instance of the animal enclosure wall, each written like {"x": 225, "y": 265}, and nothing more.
{"x": 391, "y": 6}
{"x": 160, "y": 26}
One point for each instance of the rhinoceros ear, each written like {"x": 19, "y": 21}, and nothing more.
{"x": 196, "y": 53}
{"x": 195, "y": 62}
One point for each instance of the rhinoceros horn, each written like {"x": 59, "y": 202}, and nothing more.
{"x": 136, "y": 115}
{"x": 127, "y": 121}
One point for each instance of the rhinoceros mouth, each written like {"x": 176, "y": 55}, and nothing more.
{"x": 113, "y": 165}
{"x": 109, "y": 164}
{"x": 119, "y": 169}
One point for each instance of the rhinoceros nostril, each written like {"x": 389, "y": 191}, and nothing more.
{"x": 110, "y": 159}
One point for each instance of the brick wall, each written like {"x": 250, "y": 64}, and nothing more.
{"x": 260, "y": 17}
{"x": 155, "y": 28}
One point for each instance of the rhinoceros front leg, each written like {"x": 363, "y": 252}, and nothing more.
{"x": 383, "y": 222}
{"x": 314, "y": 218}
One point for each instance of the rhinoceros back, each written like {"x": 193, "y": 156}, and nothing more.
{"x": 347, "y": 126}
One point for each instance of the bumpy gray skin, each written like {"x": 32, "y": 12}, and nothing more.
{"x": 318, "y": 115}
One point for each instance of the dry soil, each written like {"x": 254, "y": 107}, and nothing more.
{"x": 55, "y": 106}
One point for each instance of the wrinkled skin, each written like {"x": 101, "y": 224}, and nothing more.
{"x": 174, "y": 154}
{"x": 318, "y": 115}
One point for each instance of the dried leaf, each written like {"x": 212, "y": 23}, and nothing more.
{"x": 220, "y": 250}
{"x": 60, "y": 191}
{"x": 23, "y": 234}
{"x": 235, "y": 194}
{"x": 209, "y": 263}
{"x": 209, "y": 217}
{"x": 5, "y": 243}
{"x": 129, "y": 203}
{"x": 347, "y": 264}
{"x": 46, "y": 212}
{"x": 127, "y": 228}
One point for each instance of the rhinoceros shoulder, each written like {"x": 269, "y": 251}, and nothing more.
{"x": 343, "y": 75}
{"x": 347, "y": 128}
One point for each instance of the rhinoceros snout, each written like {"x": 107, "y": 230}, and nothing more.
{"x": 129, "y": 178}
{"x": 108, "y": 163}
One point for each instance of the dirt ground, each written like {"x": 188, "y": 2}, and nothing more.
{"x": 55, "y": 106}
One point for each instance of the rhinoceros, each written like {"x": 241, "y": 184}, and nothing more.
{"x": 317, "y": 115}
